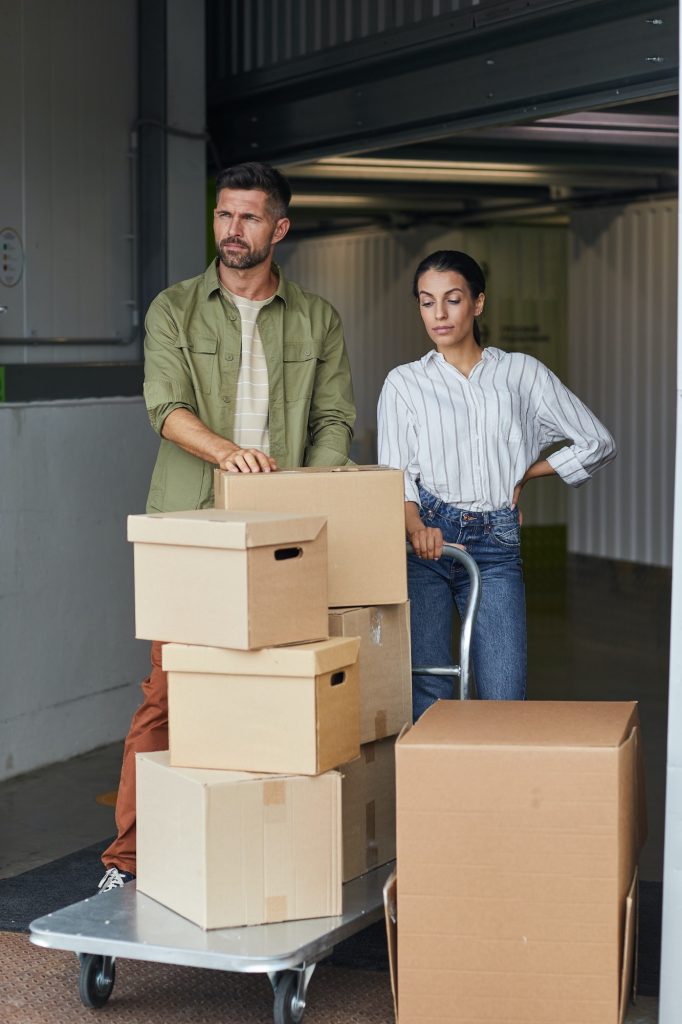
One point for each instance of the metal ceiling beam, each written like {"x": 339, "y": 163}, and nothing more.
{"x": 474, "y": 172}
{"x": 538, "y": 63}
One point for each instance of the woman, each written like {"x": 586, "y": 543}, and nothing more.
{"x": 467, "y": 425}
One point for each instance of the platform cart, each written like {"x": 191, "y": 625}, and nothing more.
{"x": 128, "y": 925}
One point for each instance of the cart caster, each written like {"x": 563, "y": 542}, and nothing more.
{"x": 96, "y": 979}
{"x": 290, "y": 993}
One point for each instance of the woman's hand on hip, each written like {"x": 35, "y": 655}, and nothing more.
{"x": 515, "y": 500}
{"x": 427, "y": 541}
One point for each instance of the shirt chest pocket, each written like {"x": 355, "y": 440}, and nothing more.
{"x": 200, "y": 353}
{"x": 300, "y": 359}
{"x": 509, "y": 417}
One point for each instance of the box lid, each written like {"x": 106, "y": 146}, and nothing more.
{"x": 295, "y": 660}
{"x": 304, "y": 471}
{"x": 217, "y": 776}
{"x": 217, "y": 528}
{"x": 485, "y": 723}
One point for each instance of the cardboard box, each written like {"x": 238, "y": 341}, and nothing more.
{"x": 282, "y": 709}
{"x": 365, "y": 510}
{"x": 368, "y": 800}
{"x": 384, "y": 665}
{"x": 232, "y": 848}
{"x": 519, "y": 829}
{"x": 226, "y": 579}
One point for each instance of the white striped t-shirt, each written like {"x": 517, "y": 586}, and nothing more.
{"x": 252, "y": 403}
{"x": 469, "y": 440}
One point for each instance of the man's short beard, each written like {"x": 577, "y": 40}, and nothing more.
{"x": 245, "y": 259}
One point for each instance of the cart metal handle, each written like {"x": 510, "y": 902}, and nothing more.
{"x": 463, "y": 670}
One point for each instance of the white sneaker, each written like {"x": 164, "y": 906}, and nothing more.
{"x": 114, "y": 879}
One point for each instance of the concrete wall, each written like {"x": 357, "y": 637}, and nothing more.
{"x": 69, "y": 663}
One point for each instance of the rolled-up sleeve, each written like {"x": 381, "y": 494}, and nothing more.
{"x": 397, "y": 437}
{"x": 332, "y": 406}
{"x": 562, "y": 416}
{"x": 167, "y": 378}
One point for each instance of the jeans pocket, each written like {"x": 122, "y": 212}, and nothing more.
{"x": 507, "y": 535}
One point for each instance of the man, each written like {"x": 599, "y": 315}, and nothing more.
{"x": 243, "y": 370}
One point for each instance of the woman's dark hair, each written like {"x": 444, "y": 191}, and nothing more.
{"x": 449, "y": 259}
{"x": 255, "y": 175}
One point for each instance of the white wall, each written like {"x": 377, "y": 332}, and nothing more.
{"x": 69, "y": 663}
{"x": 69, "y": 70}
{"x": 368, "y": 277}
{"x": 622, "y": 354}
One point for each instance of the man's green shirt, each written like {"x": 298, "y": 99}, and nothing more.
{"x": 192, "y": 355}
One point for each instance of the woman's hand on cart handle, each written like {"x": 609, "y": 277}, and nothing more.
{"x": 427, "y": 541}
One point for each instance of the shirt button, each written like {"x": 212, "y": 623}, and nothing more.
{"x": 229, "y": 357}
{"x": 233, "y": 316}
{"x": 226, "y": 399}
{"x": 307, "y": 352}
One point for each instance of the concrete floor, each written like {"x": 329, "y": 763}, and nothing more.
{"x": 596, "y": 631}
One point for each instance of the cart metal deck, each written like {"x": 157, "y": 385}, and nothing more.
{"x": 126, "y": 924}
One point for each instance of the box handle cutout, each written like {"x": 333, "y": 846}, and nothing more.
{"x": 283, "y": 553}
{"x": 337, "y": 677}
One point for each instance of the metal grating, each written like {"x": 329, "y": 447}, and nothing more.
{"x": 249, "y": 35}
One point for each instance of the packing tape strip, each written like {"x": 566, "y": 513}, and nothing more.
{"x": 274, "y": 793}
{"x": 368, "y": 752}
{"x": 370, "y": 821}
{"x": 380, "y": 725}
{"x": 276, "y": 908}
{"x": 371, "y": 848}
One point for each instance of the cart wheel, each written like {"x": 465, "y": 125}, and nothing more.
{"x": 289, "y": 1005}
{"x": 96, "y": 980}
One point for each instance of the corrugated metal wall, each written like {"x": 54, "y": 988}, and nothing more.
{"x": 66, "y": 174}
{"x": 298, "y": 28}
{"x": 622, "y": 361}
{"x": 368, "y": 277}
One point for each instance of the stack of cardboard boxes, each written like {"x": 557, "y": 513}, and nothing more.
{"x": 279, "y": 781}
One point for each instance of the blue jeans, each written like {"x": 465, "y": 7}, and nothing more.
{"x": 498, "y": 648}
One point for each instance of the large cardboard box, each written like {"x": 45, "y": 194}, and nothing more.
{"x": 281, "y": 709}
{"x": 226, "y": 579}
{"x": 232, "y": 848}
{"x": 368, "y": 799}
{"x": 384, "y": 665}
{"x": 519, "y": 829}
{"x": 365, "y": 510}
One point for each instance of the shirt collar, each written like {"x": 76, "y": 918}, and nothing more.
{"x": 487, "y": 354}
{"x": 212, "y": 282}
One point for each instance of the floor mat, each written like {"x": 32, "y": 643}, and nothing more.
{"x": 40, "y": 986}
{"x": 50, "y": 887}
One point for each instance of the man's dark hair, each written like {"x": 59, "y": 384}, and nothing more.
{"x": 255, "y": 175}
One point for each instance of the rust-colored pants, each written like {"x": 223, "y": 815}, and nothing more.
{"x": 148, "y": 731}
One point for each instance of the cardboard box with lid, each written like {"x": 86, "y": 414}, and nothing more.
{"x": 519, "y": 830}
{"x": 283, "y": 709}
{"x": 230, "y": 579}
{"x": 384, "y": 665}
{"x": 365, "y": 511}
{"x": 233, "y": 848}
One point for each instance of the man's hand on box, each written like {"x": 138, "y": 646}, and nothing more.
{"x": 248, "y": 460}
